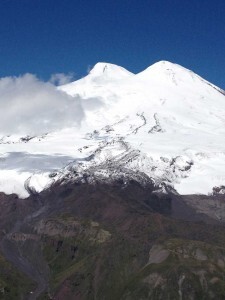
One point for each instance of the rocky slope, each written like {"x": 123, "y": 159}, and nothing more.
{"x": 110, "y": 241}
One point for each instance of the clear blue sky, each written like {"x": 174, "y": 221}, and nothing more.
{"x": 51, "y": 36}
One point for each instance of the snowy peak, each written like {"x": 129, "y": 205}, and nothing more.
{"x": 109, "y": 71}
{"x": 167, "y": 71}
{"x": 164, "y": 65}
{"x": 100, "y": 75}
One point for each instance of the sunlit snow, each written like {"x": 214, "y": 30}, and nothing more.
{"x": 172, "y": 120}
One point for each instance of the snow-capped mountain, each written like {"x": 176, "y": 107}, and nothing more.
{"x": 165, "y": 125}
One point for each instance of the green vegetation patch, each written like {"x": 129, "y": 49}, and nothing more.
{"x": 13, "y": 284}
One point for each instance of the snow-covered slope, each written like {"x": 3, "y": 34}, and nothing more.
{"x": 165, "y": 124}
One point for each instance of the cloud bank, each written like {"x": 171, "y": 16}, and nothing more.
{"x": 30, "y": 106}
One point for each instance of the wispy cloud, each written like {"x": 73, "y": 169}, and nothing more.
{"x": 61, "y": 78}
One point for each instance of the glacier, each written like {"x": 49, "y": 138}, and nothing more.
{"x": 164, "y": 125}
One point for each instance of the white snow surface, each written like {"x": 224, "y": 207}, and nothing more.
{"x": 165, "y": 122}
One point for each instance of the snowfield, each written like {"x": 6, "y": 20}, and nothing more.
{"x": 165, "y": 124}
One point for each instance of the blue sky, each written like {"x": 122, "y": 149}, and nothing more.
{"x": 51, "y": 36}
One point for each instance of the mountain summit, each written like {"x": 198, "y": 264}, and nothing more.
{"x": 109, "y": 70}
{"x": 166, "y": 123}
{"x": 101, "y": 73}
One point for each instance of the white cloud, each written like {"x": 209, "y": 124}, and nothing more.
{"x": 30, "y": 106}
{"x": 93, "y": 103}
{"x": 61, "y": 78}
